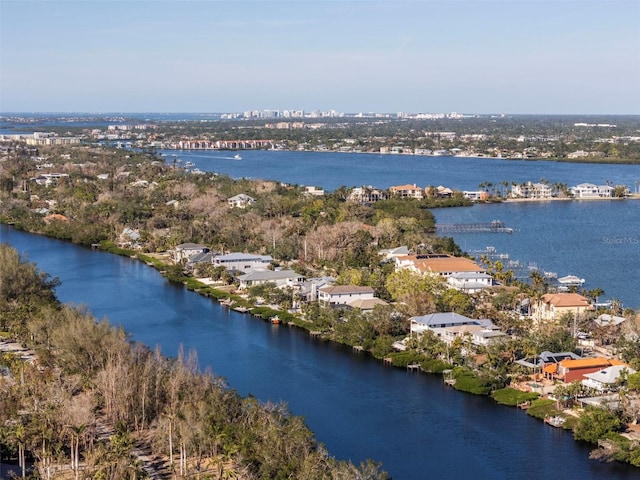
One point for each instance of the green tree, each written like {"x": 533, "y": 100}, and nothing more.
{"x": 596, "y": 423}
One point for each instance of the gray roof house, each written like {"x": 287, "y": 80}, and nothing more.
{"x": 546, "y": 358}
{"x": 186, "y": 250}
{"x": 242, "y": 262}
{"x": 342, "y": 295}
{"x": 450, "y": 325}
{"x": 241, "y": 201}
{"x": 309, "y": 288}
{"x": 203, "y": 257}
{"x": 281, "y": 278}
{"x": 606, "y": 379}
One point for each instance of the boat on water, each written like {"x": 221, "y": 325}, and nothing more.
{"x": 571, "y": 281}
{"x": 275, "y": 320}
{"x": 237, "y": 157}
{"x": 555, "y": 421}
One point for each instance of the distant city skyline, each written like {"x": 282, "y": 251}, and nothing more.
{"x": 482, "y": 57}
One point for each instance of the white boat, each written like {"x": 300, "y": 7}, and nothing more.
{"x": 571, "y": 280}
{"x": 237, "y": 156}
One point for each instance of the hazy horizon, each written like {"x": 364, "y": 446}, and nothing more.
{"x": 520, "y": 57}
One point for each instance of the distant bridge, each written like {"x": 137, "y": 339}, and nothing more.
{"x": 494, "y": 227}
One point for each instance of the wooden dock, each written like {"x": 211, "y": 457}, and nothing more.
{"x": 413, "y": 367}
{"x": 496, "y": 226}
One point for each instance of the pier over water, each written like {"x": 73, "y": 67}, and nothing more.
{"x": 495, "y": 226}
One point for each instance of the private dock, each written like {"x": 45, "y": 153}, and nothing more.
{"x": 496, "y": 226}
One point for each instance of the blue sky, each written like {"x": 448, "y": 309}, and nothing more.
{"x": 504, "y": 56}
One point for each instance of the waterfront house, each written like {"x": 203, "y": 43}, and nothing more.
{"x": 437, "y": 322}
{"x": 608, "y": 378}
{"x": 531, "y": 190}
{"x": 407, "y": 191}
{"x": 242, "y": 262}
{"x": 570, "y": 370}
{"x": 365, "y": 195}
{"x": 470, "y": 282}
{"x": 128, "y": 238}
{"x": 342, "y": 295}
{"x": 366, "y": 305}
{"x": 309, "y": 287}
{"x": 478, "y": 335}
{"x": 439, "y": 264}
{"x": 589, "y": 190}
{"x": 552, "y": 306}
{"x": 193, "y": 260}
{"x": 475, "y": 196}
{"x": 444, "y": 192}
{"x": 546, "y": 358}
{"x": 280, "y": 278}
{"x": 184, "y": 251}
{"x": 240, "y": 201}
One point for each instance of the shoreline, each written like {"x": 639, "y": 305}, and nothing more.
{"x": 634, "y": 196}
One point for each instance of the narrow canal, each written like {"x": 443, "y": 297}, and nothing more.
{"x": 414, "y": 424}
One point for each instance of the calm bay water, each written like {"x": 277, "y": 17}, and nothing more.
{"x": 334, "y": 170}
{"x": 595, "y": 240}
{"x": 418, "y": 427}
{"x": 359, "y": 409}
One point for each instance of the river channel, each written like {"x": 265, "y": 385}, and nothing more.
{"x": 415, "y": 425}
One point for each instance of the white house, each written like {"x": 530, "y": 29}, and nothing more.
{"x": 309, "y": 288}
{"x": 242, "y": 262}
{"x": 606, "y": 378}
{"x": 470, "y": 282}
{"x": 241, "y": 201}
{"x": 477, "y": 334}
{"x": 280, "y": 278}
{"x": 186, "y": 250}
{"x": 449, "y": 326}
{"x": 342, "y": 295}
{"x": 589, "y": 190}
{"x": 531, "y": 190}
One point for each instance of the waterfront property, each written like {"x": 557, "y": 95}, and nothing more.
{"x": 310, "y": 286}
{"x": 552, "y": 306}
{"x": 450, "y": 325}
{"x": 478, "y": 335}
{"x": 438, "y": 264}
{"x": 539, "y": 191}
{"x": 343, "y": 295}
{"x": 589, "y": 190}
{"x": 280, "y": 278}
{"x": 569, "y": 370}
{"x": 242, "y": 262}
{"x": 608, "y": 378}
{"x": 184, "y": 251}
{"x": 407, "y": 191}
